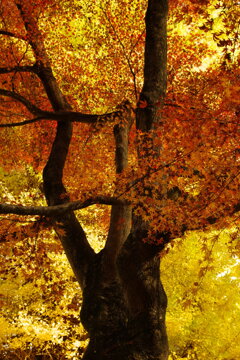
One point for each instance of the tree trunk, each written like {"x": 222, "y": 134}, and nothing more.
{"x": 125, "y": 319}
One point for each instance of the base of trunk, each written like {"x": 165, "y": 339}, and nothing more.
{"x": 115, "y": 332}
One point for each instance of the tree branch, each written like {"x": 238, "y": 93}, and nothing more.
{"x": 155, "y": 66}
{"x": 11, "y": 34}
{"x": 67, "y": 226}
{"x": 57, "y": 210}
{"x": 26, "y": 68}
{"x": 121, "y": 214}
{"x": 74, "y": 116}
{"x": 21, "y": 123}
{"x": 63, "y": 116}
{"x": 30, "y": 106}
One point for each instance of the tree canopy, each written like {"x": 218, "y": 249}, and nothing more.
{"x": 84, "y": 100}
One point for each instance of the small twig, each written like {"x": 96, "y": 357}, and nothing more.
{"x": 124, "y": 53}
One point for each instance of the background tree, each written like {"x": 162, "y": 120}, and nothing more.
{"x": 183, "y": 170}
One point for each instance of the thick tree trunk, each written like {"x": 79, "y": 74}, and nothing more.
{"x": 125, "y": 319}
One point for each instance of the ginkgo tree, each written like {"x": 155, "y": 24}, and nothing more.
{"x": 176, "y": 152}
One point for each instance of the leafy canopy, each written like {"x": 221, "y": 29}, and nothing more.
{"x": 96, "y": 51}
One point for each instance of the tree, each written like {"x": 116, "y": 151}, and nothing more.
{"x": 162, "y": 193}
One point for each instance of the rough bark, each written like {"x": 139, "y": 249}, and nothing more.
{"x": 155, "y": 66}
{"x": 119, "y": 327}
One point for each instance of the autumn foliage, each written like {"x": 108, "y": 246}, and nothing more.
{"x": 81, "y": 63}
